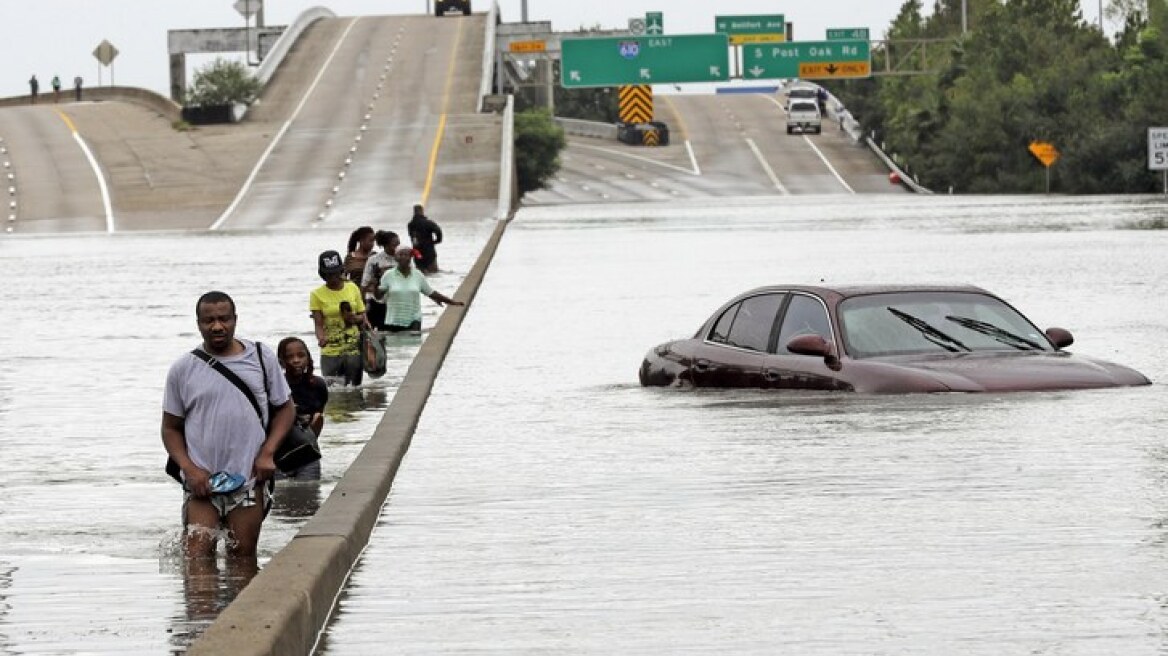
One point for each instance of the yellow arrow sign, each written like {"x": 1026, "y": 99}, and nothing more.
{"x": 1045, "y": 152}
{"x": 820, "y": 70}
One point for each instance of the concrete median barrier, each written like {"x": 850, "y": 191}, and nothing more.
{"x": 287, "y": 605}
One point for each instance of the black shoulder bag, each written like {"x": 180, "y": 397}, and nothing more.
{"x": 297, "y": 449}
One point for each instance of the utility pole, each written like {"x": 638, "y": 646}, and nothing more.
{"x": 964, "y": 16}
{"x": 523, "y": 13}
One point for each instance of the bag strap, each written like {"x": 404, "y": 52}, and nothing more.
{"x": 234, "y": 379}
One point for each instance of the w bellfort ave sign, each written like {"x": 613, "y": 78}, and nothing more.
{"x": 615, "y": 61}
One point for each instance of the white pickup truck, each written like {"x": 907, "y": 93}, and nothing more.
{"x": 804, "y": 116}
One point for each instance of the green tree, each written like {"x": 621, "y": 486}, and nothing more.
{"x": 538, "y": 142}
{"x": 223, "y": 82}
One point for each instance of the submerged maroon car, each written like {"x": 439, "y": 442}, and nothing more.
{"x": 877, "y": 339}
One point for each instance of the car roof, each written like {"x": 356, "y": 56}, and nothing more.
{"x": 850, "y": 290}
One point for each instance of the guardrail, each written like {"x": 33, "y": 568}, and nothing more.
{"x": 165, "y": 107}
{"x": 581, "y": 128}
{"x": 287, "y": 38}
{"x": 488, "y": 74}
{"x": 507, "y": 190}
{"x": 848, "y": 123}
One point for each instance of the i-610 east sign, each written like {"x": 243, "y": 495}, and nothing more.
{"x": 809, "y": 60}
{"x": 610, "y": 62}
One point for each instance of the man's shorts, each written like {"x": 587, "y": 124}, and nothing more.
{"x": 241, "y": 498}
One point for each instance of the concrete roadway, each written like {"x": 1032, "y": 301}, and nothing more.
{"x": 731, "y": 145}
{"x": 396, "y": 97}
{"x": 46, "y": 173}
{"x": 371, "y": 96}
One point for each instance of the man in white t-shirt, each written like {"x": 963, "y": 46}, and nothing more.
{"x": 212, "y": 430}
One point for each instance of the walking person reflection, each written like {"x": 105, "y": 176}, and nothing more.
{"x": 402, "y": 288}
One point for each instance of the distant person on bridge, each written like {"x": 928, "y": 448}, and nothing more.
{"x": 33, "y": 87}
{"x": 77, "y": 82}
{"x": 56, "y": 89}
{"x": 425, "y": 234}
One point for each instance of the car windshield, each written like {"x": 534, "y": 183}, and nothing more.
{"x": 802, "y": 92}
{"x": 804, "y": 107}
{"x": 908, "y": 323}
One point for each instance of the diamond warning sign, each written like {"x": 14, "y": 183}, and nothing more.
{"x": 822, "y": 70}
{"x": 1045, "y": 152}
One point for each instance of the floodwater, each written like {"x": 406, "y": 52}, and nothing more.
{"x": 89, "y": 526}
{"x": 548, "y": 504}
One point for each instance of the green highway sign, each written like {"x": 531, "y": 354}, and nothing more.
{"x": 752, "y": 29}
{"x": 614, "y": 61}
{"x": 809, "y": 60}
{"x": 654, "y": 23}
{"x": 847, "y": 34}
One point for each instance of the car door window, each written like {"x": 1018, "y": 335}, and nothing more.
{"x": 754, "y": 322}
{"x": 805, "y": 315}
{"x": 721, "y": 331}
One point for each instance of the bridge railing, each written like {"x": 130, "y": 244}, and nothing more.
{"x": 507, "y": 188}
{"x": 581, "y": 128}
{"x": 287, "y": 39}
{"x": 488, "y": 72}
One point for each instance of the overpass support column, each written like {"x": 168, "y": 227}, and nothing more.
{"x": 178, "y": 77}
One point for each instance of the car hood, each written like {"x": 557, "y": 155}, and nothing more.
{"x": 1017, "y": 371}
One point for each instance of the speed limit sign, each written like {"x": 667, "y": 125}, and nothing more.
{"x": 1158, "y": 149}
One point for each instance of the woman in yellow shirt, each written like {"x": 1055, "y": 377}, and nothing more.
{"x": 338, "y": 311}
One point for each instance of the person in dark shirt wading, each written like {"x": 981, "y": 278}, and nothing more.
{"x": 425, "y": 234}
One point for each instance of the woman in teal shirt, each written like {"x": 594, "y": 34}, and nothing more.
{"x": 401, "y": 289}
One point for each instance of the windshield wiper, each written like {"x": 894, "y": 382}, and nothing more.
{"x": 998, "y": 333}
{"x": 930, "y": 332}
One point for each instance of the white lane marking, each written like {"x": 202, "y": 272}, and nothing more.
{"x": 816, "y": 149}
{"x": 828, "y": 165}
{"x": 110, "y": 224}
{"x": 767, "y": 167}
{"x": 283, "y": 129}
{"x": 636, "y": 157}
{"x": 693, "y": 159}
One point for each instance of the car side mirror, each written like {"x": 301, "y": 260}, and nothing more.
{"x": 813, "y": 344}
{"x": 1060, "y": 337}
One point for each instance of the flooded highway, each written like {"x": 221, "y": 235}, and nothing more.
{"x": 548, "y": 503}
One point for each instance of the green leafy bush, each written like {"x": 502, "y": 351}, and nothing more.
{"x": 538, "y": 142}
{"x": 223, "y": 82}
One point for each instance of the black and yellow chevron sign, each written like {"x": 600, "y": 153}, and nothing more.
{"x": 636, "y": 103}
{"x": 651, "y": 138}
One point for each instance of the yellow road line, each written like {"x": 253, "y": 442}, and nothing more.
{"x": 68, "y": 122}
{"x": 442, "y": 120}
{"x": 106, "y": 203}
